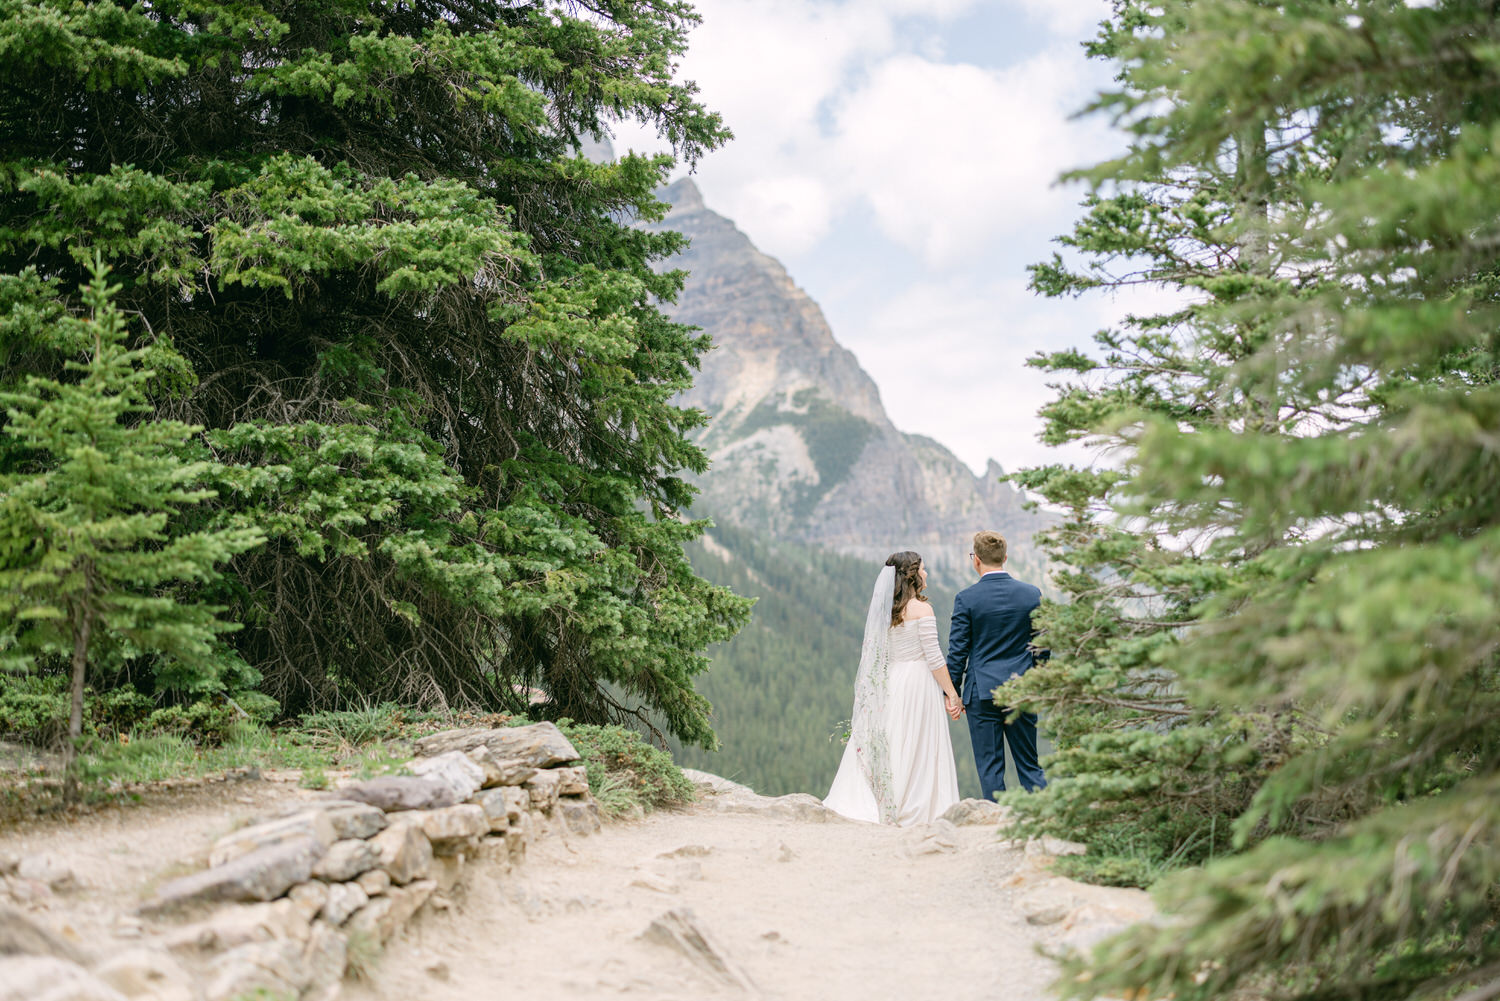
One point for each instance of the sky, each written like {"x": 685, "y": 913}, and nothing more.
{"x": 899, "y": 158}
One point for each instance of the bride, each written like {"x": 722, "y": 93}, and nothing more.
{"x": 898, "y": 766}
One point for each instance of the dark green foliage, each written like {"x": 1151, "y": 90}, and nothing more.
{"x": 95, "y": 561}
{"x": 1281, "y": 653}
{"x": 620, "y": 759}
{"x": 420, "y": 328}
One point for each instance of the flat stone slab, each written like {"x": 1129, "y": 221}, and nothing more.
{"x": 264, "y": 874}
{"x": 540, "y": 745}
{"x": 393, "y": 793}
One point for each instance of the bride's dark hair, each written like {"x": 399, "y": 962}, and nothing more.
{"x": 908, "y": 583}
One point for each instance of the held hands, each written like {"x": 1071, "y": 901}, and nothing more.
{"x": 953, "y": 705}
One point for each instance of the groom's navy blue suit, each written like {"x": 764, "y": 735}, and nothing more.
{"x": 989, "y": 642}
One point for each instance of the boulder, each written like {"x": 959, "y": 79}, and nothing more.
{"x": 542, "y": 787}
{"x": 796, "y": 806}
{"x": 932, "y": 839}
{"x": 967, "y": 812}
{"x": 393, "y": 793}
{"x": 375, "y": 882}
{"x": 325, "y": 958}
{"x": 540, "y": 745}
{"x": 48, "y": 869}
{"x": 384, "y": 916}
{"x": 453, "y": 826}
{"x": 496, "y": 807}
{"x": 709, "y": 784}
{"x": 405, "y": 852}
{"x": 343, "y": 900}
{"x": 454, "y": 769}
{"x": 347, "y": 859}
{"x": 275, "y": 968}
{"x": 580, "y": 814}
{"x": 47, "y": 978}
{"x": 1050, "y": 846}
{"x": 148, "y": 973}
{"x": 236, "y": 926}
{"x": 309, "y": 897}
{"x": 312, "y": 824}
{"x": 354, "y": 820}
{"x": 572, "y": 781}
{"x": 20, "y": 935}
{"x": 500, "y": 771}
{"x": 264, "y": 874}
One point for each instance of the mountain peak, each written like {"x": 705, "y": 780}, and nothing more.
{"x": 684, "y": 195}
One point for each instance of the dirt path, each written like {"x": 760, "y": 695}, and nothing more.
{"x": 804, "y": 910}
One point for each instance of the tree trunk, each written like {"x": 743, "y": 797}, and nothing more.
{"x": 82, "y": 628}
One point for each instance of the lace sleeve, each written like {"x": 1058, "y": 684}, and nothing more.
{"x": 928, "y": 635}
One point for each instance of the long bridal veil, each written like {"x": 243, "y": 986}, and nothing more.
{"x": 872, "y": 685}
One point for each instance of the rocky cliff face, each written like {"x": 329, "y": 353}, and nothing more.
{"x": 802, "y": 447}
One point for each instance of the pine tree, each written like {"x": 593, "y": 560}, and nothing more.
{"x": 423, "y": 328}
{"x": 91, "y": 538}
{"x": 1325, "y": 481}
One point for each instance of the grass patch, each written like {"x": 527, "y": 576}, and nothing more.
{"x": 626, "y": 773}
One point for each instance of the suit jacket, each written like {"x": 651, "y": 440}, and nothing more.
{"x": 989, "y": 641}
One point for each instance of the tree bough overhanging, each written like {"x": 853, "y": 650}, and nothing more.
{"x": 422, "y": 332}
{"x": 1281, "y": 656}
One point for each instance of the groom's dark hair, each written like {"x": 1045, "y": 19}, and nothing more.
{"x": 990, "y": 548}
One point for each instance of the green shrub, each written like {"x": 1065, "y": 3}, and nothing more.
{"x": 625, "y": 771}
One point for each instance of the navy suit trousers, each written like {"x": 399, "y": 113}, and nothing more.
{"x": 991, "y": 727}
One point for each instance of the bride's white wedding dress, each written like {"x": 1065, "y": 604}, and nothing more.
{"x": 911, "y": 779}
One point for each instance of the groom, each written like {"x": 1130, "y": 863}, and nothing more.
{"x": 989, "y": 642}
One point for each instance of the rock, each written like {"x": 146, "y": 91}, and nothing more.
{"x": 26, "y": 891}
{"x": 147, "y": 973}
{"x": 500, "y": 771}
{"x": 405, "y": 852}
{"x": 438, "y": 970}
{"x": 1082, "y": 937}
{"x": 581, "y": 815}
{"x": 451, "y": 827}
{"x": 22, "y": 936}
{"x": 375, "y": 882}
{"x": 347, "y": 859}
{"x": 517, "y": 804}
{"x": 312, "y": 824}
{"x": 495, "y": 805}
{"x": 309, "y": 897}
{"x": 9, "y": 863}
{"x": 47, "y": 869}
{"x": 658, "y": 882}
{"x": 687, "y": 851}
{"x": 48, "y": 978}
{"x": 540, "y": 745}
{"x": 454, "y": 769}
{"x": 1050, "y": 846}
{"x": 572, "y": 781}
{"x": 275, "y": 968}
{"x": 343, "y": 900}
{"x": 930, "y": 839}
{"x": 384, "y": 916}
{"x": 967, "y": 812}
{"x": 782, "y": 853}
{"x": 1046, "y": 913}
{"x": 325, "y": 957}
{"x": 354, "y": 820}
{"x": 796, "y": 806}
{"x": 710, "y": 784}
{"x": 393, "y": 793}
{"x": 542, "y": 788}
{"x": 264, "y": 874}
{"x": 680, "y": 931}
{"x": 235, "y": 926}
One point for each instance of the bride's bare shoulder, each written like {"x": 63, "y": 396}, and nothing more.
{"x": 916, "y": 608}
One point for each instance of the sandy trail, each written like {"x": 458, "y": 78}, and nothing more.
{"x": 806, "y": 910}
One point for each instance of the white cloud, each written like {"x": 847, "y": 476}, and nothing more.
{"x": 952, "y": 157}
{"x": 1066, "y": 17}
